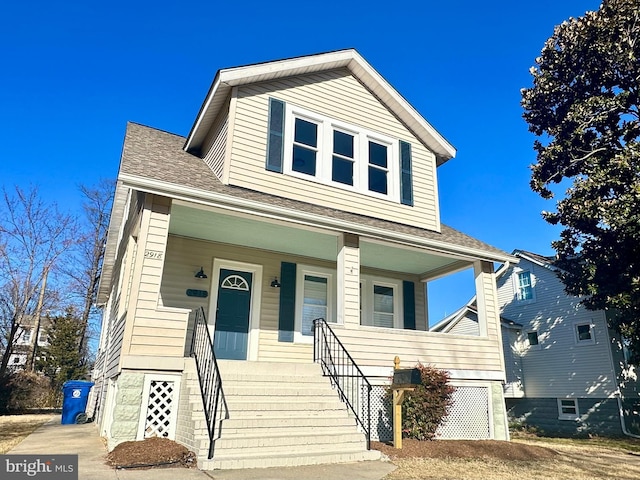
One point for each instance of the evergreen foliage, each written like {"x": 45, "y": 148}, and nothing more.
{"x": 61, "y": 360}
{"x": 584, "y": 107}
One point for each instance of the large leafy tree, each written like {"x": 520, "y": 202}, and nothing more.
{"x": 584, "y": 107}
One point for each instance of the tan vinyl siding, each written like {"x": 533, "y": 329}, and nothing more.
{"x": 154, "y": 331}
{"x": 378, "y": 347}
{"x": 215, "y": 144}
{"x": 328, "y": 93}
{"x": 559, "y": 367}
{"x": 369, "y": 345}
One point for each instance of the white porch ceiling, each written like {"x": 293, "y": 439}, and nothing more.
{"x": 275, "y": 236}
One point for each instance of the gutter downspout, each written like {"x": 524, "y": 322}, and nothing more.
{"x": 618, "y": 395}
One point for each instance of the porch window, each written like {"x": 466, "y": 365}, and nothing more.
{"x": 380, "y": 302}
{"x": 314, "y": 299}
{"x": 315, "y": 302}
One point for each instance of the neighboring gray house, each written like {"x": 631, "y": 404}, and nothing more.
{"x": 566, "y": 371}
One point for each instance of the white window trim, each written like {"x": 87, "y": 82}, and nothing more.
{"x": 516, "y": 286}
{"x": 576, "y": 338}
{"x": 301, "y": 272}
{"x": 526, "y": 339}
{"x": 568, "y": 416}
{"x": 361, "y": 135}
{"x": 368, "y": 282}
{"x": 256, "y": 296}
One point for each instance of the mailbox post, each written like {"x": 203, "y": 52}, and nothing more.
{"x": 404, "y": 380}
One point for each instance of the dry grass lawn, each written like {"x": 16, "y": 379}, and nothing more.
{"x": 13, "y": 428}
{"x": 575, "y": 460}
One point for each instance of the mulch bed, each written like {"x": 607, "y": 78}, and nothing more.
{"x": 150, "y": 453}
{"x": 465, "y": 449}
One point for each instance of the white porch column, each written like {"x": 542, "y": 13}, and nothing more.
{"x": 348, "y": 298}
{"x": 487, "y": 297}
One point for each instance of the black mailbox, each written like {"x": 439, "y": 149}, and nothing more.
{"x": 406, "y": 378}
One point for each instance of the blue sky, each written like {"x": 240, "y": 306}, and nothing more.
{"x": 73, "y": 73}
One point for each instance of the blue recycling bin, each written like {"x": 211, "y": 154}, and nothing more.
{"x": 75, "y": 394}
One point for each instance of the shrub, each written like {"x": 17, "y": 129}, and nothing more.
{"x": 22, "y": 391}
{"x": 426, "y": 407}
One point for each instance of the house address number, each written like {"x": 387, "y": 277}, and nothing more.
{"x": 153, "y": 254}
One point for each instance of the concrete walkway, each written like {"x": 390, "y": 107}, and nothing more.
{"x": 83, "y": 440}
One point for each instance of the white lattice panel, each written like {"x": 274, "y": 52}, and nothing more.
{"x": 158, "y": 421}
{"x": 469, "y": 415}
{"x": 381, "y": 426}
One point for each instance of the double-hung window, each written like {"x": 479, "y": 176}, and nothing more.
{"x": 524, "y": 287}
{"x": 380, "y": 302}
{"x": 324, "y": 150}
{"x": 305, "y": 147}
{"x": 314, "y": 299}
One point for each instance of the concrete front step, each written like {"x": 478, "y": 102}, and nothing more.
{"x": 282, "y": 414}
{"x": 283, "y": 404}
{"x": 338, "y": 419}
{"x": 290, "y": 443}
{"x": 291, "y": 460}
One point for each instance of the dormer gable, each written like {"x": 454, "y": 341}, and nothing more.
{"x": 325, "y": 129}
{"x": 350, "y": 59}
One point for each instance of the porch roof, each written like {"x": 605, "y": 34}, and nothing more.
{"x": 155, "y": 161}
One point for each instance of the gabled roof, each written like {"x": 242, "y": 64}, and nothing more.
{"x": 447, "y": 323}
{"x": 228, "y": 78}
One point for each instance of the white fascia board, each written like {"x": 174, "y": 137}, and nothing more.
{"x": 242, "y": 205}
{"x": 546, "y": 265}
{"x": 205, "y": 107}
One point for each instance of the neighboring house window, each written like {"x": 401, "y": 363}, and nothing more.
{"x": 532, "y": 338}
{"x": 314, "y": 292}
{"x": 584, "y": 333}
{"x": 42, "y": 337}
{"x": 327, "y": 151}
{"x": 568, "y": 409}
{"x": 16, "y": 359}
{"x": 524, "y": 287}
{"x": 380, "y": 302}
{"x": 26, "y": 336}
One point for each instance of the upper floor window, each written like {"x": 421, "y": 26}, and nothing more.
{"x": 532, "y": 338}
{"x": 317, "y": 148}
{"x": 584, "y": 333}
{"x": 524, "y": 287}
{"x": 26, "y": 336}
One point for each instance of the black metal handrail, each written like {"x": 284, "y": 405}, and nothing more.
{"x": 344, "y": 373}
{"x": 209, "y": 376}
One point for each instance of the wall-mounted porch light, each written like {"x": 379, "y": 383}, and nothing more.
{"x": 201, "y": 273}
{"x": 275, "y": 283}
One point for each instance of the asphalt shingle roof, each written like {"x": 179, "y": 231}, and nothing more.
{"x": 159, "y": 155}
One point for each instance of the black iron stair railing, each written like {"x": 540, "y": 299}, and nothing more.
{"x": 344, "y": 373}
{"x": 209, "y": 375}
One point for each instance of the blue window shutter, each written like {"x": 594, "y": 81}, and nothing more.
{"x": 406, "y": 177}
{"x": 409, "y": 304}
{"x": 275, "y": 137}
{"x": 286, "y": 322}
